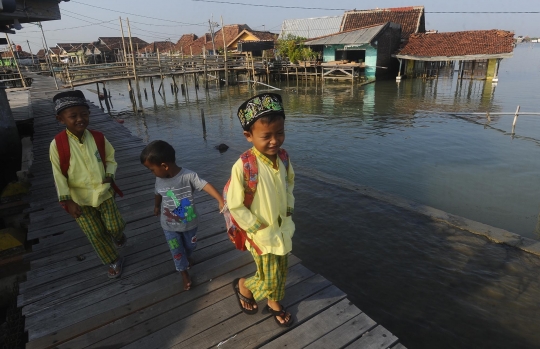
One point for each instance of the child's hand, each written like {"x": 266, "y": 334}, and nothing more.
{"x": 263, "y": 226}
{"x": 289, "y": 214}
{"x": 107, "y": 180}
{"x": 157, "y": 211}
{"x": 221, "y": 205}
{"x": 73, "y": 208}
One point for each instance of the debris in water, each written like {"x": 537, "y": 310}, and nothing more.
{"x": 222, "y": 147}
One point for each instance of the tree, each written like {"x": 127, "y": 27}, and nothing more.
{"x": 293, "y": 48}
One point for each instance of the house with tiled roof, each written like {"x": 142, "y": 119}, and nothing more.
{"x": 111, "y": 49}
{"x": 151, "y": 50}
{"x": 205, "y": 42}
{"x": 411, "y": 19}
{"x": 477, "y": 52}
{"x": 254, "y": 41}
{"x": 182, "y": 45}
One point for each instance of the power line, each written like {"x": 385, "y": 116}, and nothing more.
{"x": 134, "y": 14}
{"x": 348, "y": 9}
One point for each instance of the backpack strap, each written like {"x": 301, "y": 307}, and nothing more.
{"x": 99, "y": 138}
{"x": 284, "y": 156}
{"x": 251, "y": 176}
{"x": 62, "y": 144}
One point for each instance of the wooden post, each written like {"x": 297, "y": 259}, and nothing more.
{"x": 203, "y": 123}
{"x": 105, "y": 95}
{"x": 160, "y": 70}
{"x": 97, "y": 90}
{"x": 305, "y": 71}
{"x": 134, "y": 65}
{"x": 69, "y": 77}
{"x": 16, "y": 63}
{"x": 145, "y": 94}
{"x": 515, "y": 120}
{"x": 225, "y": 53}
{"x": 205, "y": 70}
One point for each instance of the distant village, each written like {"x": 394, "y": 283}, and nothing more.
{"x": 391, "y": 41}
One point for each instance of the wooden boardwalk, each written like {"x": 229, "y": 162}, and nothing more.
{"x": 69, "y": 302}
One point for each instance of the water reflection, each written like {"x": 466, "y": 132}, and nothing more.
{"x": 432, "y": 285}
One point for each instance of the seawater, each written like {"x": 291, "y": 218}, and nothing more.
{"x": 429, "y": 284}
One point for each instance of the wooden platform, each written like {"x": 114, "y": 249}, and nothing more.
{"x": 69, "y": 302}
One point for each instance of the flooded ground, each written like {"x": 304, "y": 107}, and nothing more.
{"x": 431, "y": 285}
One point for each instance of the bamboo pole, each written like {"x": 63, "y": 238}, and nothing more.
{"x": 515, "y": 120}
{"x": 123, "y": 40}
{"x": 16, "y": 63}
{"x": 225, "y": 53}
{"x": 47, "y": 50}
{"x": 134, "y": 65}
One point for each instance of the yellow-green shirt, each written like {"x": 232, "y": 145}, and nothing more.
{"x": 85, "y": 172}
{"x": 273, "y": 199}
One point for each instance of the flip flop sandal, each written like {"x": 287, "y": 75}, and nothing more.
{"x": 282, "y": 314}
{"x": 117, "y": 267}
{"x": 122, "y": 242}
{"x": 239, "y": 297}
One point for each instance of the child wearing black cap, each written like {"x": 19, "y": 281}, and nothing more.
{"x": 266, "y": 218}
{"x": 85, "y": 180}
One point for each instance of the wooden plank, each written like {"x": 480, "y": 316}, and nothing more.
{"x": 344, "y": 334}
{"x": 170, "y": 314}
{"x": 184, "y": 329}
{"x": 399, "y": 346}
{"x": 143, "y": 297}
{"x": 303, "y": 301}
{"x": 377, "y": 338}
{"x": 317, "y": 326}
{"x": 138, "y": 269}
{"x": 112, "y": 295}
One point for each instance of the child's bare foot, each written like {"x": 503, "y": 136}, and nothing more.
{"x": 186, "y": 279}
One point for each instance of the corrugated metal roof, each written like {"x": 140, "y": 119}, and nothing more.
{"x": 311, "y": 27}
{"x": 359, "y": 36}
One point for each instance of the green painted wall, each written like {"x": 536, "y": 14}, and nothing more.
{"x": 371, "y": 62}
{"x": 409, "y": 68}
{"x": 492, "y": 63}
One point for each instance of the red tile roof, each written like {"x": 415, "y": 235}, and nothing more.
{"x": 474, "y": 42}
{"x": 231, "y": 32}
{"x": 264, "y": 36}
{"x": 183, "y": 43}
{"x": 411, "y": 19}
{"x": 163, "y": 46}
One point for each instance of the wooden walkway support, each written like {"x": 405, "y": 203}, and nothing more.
{"x": 69, "y": 302}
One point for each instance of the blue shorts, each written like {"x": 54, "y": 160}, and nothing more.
{"x": 182, "y": 244}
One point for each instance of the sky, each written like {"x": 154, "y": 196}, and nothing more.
{"x": 162, "y": 20}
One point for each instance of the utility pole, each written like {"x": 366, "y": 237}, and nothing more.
{"x": 47, "y": 50}
{"x": 212, "y": 33}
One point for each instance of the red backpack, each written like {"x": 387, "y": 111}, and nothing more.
{"x": 62, "y": 144}
{"x": 237, "y": 235}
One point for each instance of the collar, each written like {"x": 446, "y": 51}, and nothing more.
{"x": 263, "y": 158}
{"x": 71, "y": 135}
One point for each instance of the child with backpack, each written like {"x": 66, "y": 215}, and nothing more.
{"x": 83, "y": 167}
{"x": 259, "y": 197}
{"x": 174, "y": 202}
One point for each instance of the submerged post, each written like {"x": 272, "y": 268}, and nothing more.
{"x": 515, "y": 120}
{"x": 97, "y": 90}
{"x": 203, "y": 123}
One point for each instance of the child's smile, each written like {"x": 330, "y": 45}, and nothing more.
{"x": 267, "y": 137}
{"x": 76, "y": 119}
